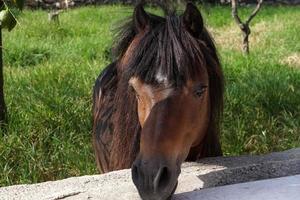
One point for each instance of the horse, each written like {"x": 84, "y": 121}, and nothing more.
{"x": 159, "y": 103}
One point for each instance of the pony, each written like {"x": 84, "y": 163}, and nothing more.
{"x": 159, "y": 103}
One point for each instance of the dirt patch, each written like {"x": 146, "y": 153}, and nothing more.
{"x": 231, "y": 38}
{"x": 228, "y": 38}
{"x": 292, "y": 60}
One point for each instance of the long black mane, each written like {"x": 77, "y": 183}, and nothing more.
{"x": 166, "y": 49}
{"x": 169, "y": 50}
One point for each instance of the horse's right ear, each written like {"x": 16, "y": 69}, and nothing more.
{"x": 192, "y": 19}
{"x": 141, "y": 18}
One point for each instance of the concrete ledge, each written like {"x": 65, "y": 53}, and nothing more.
{"x": 206, "y": 173}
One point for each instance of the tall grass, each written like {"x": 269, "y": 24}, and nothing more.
{"x": 50, "y": 71}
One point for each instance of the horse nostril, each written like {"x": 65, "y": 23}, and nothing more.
{"x": 161, "y": 179}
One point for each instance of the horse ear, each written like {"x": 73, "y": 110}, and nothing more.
{"x": 141, "y": 18}
{"x": 192, "y": 19}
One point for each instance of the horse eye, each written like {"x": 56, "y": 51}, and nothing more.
{"x": 131, "y": 89}
{"x": 199, "y": 90}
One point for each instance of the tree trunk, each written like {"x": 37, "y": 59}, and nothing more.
{"x": 246, "y": 32}
{"x": 245, "y": 43}
{"x": 2, "y": 102}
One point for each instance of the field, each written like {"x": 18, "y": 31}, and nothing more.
{"x": 50, "y": 71}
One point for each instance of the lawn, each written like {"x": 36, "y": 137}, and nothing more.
{"x": 50, "y": 71}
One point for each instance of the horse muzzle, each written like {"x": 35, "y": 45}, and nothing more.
{"x": 155, "y": 179}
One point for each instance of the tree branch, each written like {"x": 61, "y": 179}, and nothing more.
{"x": 244, "y": 26}
{"x": 235, "y": 15}
{"x": 255, "y": 11}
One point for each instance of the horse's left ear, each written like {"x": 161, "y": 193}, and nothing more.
{"x": 140, "y": 17}
{"x": 192, "y": 19}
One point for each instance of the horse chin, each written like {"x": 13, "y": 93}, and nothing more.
{"x": 169, "y": 196}
{"x": 174, "y": 189}
{"x": 163, "y": 196}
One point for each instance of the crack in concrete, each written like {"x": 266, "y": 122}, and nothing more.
{"x": 63, "y": 196}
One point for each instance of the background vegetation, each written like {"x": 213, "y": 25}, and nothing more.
{"x": 50, "y": 71}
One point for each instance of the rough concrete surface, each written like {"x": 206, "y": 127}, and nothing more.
{"x": 206, "y": 173}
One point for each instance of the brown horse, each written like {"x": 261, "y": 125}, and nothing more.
{"x": 159, "y": 103}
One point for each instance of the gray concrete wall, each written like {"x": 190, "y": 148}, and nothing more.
{"x": 206, "y": 173}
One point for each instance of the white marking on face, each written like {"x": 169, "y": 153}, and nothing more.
{"x": 161, "y": 78}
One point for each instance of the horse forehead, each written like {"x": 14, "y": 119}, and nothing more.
{"x": 154, "y": 92}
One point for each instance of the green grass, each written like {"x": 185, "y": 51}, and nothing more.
{"x": 50, "y": 71}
